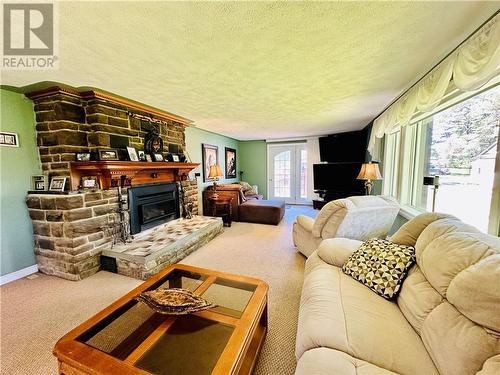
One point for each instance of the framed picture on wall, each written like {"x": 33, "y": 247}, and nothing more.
{"x": 230, "y": 162}
{"x": 210, "y": 156}
{"x": 9, "y": 139}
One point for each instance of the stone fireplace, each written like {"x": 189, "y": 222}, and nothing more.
{"x": 71, "y": 229}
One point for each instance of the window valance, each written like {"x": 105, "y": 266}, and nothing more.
{"x": 469, "y": 67}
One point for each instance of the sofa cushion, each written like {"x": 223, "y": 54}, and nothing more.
{"x": 338, "y": 312}
{"x": 410, "y": 231}
{"x": 336, "y": 251}
{"x": 358, "y": 217}
{"x": 451, "y": 298}
{"x": 381, "y": 265}
{"x": 324, "y": 361}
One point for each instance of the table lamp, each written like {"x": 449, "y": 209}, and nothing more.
{"x": 369, "y": 172}
{"x": 215, "y": 172}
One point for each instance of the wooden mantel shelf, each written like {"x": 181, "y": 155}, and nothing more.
{"x": 109, "y": 173}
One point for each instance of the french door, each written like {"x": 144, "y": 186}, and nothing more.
{"x": 287, "y": 172}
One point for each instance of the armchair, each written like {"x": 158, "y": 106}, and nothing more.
{"x": 357, "y": 218}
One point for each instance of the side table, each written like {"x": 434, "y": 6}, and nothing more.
{"x": 221, "y": 207}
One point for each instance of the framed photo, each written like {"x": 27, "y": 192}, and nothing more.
{"x": 132, "y": 154}
{"x": 107, "y": 154}
{"x": 89, "y": 183}
{"x": 158, "y": 157}
{"x": 39, "y": 183}
{"x": 83, "y": 156}
{"x": 148, "y": 158}
{"x": 210, "y": 156}
{"x": 230, "y": 162}
{"x": 9, "y": 139}
{"x": 57, "y": 183}
{"x": 142, "y": 155}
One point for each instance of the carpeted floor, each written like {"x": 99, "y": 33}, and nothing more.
{"x": 35, "y": 313}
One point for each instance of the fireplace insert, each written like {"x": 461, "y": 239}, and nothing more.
{"x": 151, "y": 205}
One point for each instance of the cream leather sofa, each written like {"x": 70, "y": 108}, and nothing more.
{"x": 446, "y": 320}
{"x": 359, "y": 218}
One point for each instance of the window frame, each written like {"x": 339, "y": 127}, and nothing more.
{"x": 406, "y": 146}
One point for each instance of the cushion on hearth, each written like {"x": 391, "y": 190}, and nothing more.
{"x": 262, "y": 211}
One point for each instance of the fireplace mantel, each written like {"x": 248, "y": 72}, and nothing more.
{"x": 109, "y": 173}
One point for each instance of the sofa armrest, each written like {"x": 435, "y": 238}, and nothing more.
{"x": 335, "y": 251}
{"x": 305, "y": 222}
{"x": 491, "y": 366}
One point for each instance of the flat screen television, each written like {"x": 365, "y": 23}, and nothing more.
{"x": 344, "y": 147}
{"x": 338, "y": 177}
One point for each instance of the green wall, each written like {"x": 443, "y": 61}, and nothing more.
{"x": 253, "y": 162}
{"x": 17, "y": 165}
{"x": 194, "y": 138}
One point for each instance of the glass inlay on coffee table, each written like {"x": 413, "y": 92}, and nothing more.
{"x": 129, "y": 338}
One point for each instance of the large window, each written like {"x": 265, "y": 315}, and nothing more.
{"x": 458, "y": 144}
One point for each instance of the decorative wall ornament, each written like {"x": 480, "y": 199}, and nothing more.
{"x": 147, "y": 118}
{"x": 153, "y": 143}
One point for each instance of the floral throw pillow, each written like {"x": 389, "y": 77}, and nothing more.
{"x": 245, "y": 186}
{"x": 250, "y": 192}
{"x": 381, "y": 265}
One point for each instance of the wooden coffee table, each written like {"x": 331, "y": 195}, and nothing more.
{"x": 129, "y": 338}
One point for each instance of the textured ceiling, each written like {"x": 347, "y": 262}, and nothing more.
{"x": 255, "y": 70}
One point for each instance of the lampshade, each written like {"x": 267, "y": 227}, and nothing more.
{"x": 369, "y": 171}
{"x": 215, "y": 171}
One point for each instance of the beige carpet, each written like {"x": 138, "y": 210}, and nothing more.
{"x": 35, "y": 313}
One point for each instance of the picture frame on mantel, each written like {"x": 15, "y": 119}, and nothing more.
{"x": 230, "y": 162}
{"x": 57, "y": 184}
{"x": 210, "y": 156}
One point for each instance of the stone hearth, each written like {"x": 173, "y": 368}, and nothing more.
{"x": 156, "y": 248}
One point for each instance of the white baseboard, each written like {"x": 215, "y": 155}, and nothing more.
{"x": 18, "y": 274}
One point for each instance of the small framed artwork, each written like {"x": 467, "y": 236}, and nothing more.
{"x": 210, "y": 156}
{"x": 148, "y": 158}
{"x": 9, "y": 139}
{"x": 57, "y": 183}
{"x": 142, "y": 155}
{"x": 230, "y": 162}
{"x": 107, "y": 154}
{"x": 89, "y": 183}
{"x": 83, "y": 156}
{"x": 158, "y": 157}
{"x": 132, "y": 154}
{"x": 39, "y": 183}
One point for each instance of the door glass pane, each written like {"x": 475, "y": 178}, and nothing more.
{"x": 303, "y": 174}
{"x": 282, "y": 174}
{"x": 461, "y": 151}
